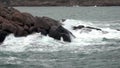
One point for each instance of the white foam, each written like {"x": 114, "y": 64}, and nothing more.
{"x": 38, "y": 42}
{"x": 106, "y": 33}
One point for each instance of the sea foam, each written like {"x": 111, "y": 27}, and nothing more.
{"x": 83, "y": 40}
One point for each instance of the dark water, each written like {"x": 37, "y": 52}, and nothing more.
{"x": 92, "y": 50}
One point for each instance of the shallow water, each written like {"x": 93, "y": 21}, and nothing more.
{"x": 93, "y": 49}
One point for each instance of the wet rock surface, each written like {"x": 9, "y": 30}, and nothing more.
{"x": 23, "y": 24}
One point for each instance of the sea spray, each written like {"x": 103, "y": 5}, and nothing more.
{"x": 38, "y": 42}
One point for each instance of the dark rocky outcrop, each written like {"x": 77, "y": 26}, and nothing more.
{"x": 82, "y": 26}
{"x": 94, "y": 28}
{"x": 23, "y": 24}
{"x": 58, "y": 31}
{"x": 78, "y": 27}
{"x": 87, "y": 29}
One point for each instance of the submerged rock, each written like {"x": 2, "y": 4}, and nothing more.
{"x": 78, "y": 27}
{"x": 23, "y": 24}
{"x": 87, "y": 29}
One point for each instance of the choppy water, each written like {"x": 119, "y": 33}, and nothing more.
{"x": 93, "y": 49}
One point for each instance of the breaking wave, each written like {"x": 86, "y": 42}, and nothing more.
{"x": 84, "y": 42}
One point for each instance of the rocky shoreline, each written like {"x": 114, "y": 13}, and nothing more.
{"x": 62, "y": 2}
{"x": 22, "y": 24}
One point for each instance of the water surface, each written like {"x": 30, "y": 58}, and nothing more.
{"x": 88, "y": 50}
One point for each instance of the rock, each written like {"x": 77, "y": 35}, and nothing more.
{"x": 43, "y": 24}
{"x": 87, "y": 29}
{"x": 78, "y": 27}
{"x": 17, "y": 16}
{"x": 9, "y": 27}
{"x": 3, "y": 35}
{"x": 66, "y": 37}
{"x": 29, "y": 20}
{"x": 26, "y": 28}
{"x": 33, "y": 29}
{"x": 118, "y": 29}
{"x": 63, "y": 20}
{"x": 54, "y": 33}
{"x": 82, "y": 26}
{"x": 23, "y": 24}
{"x": 20, "y": 32}
{"x": 43, "y": 31}
{"x": 3, "y": 20}
{"x": 64, "y": 33}
{"x": 58, "y": 32}
{"x": 46, "y": 23}
{"x": 93, "y": 28}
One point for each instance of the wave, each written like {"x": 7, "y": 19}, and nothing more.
{"x": 83, "y": 40}
{"x": 111, "y": 33}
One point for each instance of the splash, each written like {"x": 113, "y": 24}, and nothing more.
{"x": 84, "y": 41}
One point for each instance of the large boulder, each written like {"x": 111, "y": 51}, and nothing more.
{"x": 8, "y": 27}
{"x": 78, "y": 27}
{"x": 54, "y": 33}
{"x": 20, "y": 31}
{"x": 17, "y": 16}
{"x": 43, "y": 31}
{"x": 23, "y": 24}
{"x": 58, "y": 32}
{"x": 46, "y": 22}
{"x": 29, "y": 20}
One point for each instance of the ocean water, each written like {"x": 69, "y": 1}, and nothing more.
{"x": 90, "y": 49}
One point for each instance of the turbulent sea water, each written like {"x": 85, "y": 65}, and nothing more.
{"x": 95, "y": 49}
